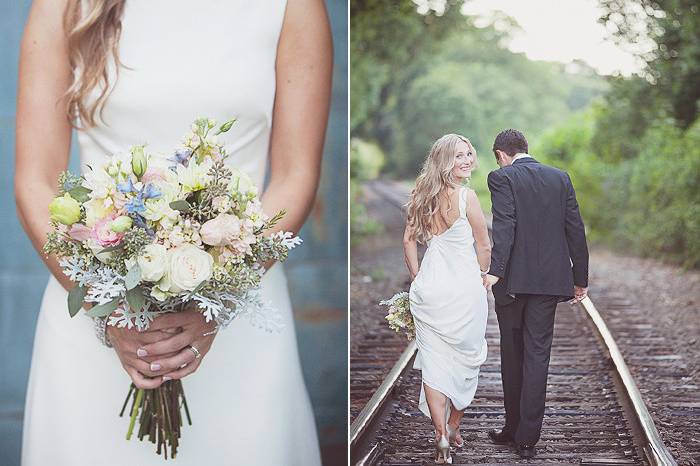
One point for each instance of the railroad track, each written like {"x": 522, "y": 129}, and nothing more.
{"x": 595, "y": 413}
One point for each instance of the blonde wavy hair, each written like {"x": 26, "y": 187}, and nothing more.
{"x": 93, "y": 28}
{"x": 435, "y": 178}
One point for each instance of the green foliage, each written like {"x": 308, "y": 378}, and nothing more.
{"x": 673, "y": 63}
{"x": 361, "y": 224}
{"x": 366, "y": 159}
{"x": 76, "y": 296}
{"x": 416, "y": 77}
{"x": 663, "y": 217}
{"x": 103, "y": 310}
{"x": 391, "y": 44}
{"x": 623, "y": 119}
{"x": 647, "y": 205}
{"x": 631, "y": 145}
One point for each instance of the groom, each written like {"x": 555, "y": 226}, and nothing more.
{"x": 539, "y": 258}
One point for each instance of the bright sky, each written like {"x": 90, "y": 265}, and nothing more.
{"x": 556, "y": 30}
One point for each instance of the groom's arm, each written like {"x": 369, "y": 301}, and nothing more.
{"x": 576, "y": 237}
{"x": 503, "y": 228}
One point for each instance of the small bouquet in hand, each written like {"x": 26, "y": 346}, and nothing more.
{"x": 399, "y": 316}
{"x": 143, "y": 234}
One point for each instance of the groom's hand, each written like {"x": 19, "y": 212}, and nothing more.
{"x": 580, "y": 293}
{"x": 490, "y": 280}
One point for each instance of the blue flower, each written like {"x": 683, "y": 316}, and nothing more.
{"x": 135, "y": 205}
{"x": 181, "y": 156}
{"x": 126, "y": 187}
{"x": 149, "y": 192}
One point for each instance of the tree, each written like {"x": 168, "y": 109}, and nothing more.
{"x": 673, "y": 63}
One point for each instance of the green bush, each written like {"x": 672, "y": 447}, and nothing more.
{"x": 361, "y": 224}
{"x": 663, "y": 206}
{"x": 648, "y": 204}
{"x": 366, "y": 159}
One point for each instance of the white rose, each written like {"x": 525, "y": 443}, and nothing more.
{"x": 189, "y": 266}
{"x": 153, "y": 262}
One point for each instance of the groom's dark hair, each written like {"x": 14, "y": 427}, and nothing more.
{"x": 510, "y": 141}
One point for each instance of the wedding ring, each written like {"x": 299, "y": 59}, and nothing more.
{"x": 196, "y": 352}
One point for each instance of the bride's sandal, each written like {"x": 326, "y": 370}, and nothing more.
{"x": 453, "y": 436}
{"x": 443, "y": 451}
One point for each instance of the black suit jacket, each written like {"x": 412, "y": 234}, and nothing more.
{"x": 538, "y": 235}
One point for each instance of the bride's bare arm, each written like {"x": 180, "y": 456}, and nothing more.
{"x": 304, "y": 69}
{"x": 42, "y": 131}
{"x": 481, "y": 234}
{"x": 410, "y": 252}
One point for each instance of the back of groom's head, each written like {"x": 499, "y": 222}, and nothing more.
{"x": 510, "y": 141}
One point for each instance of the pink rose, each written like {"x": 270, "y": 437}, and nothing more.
{"x": 153, "y": 174}
{"x": 80, "y": 232}
{"x": 104, "y": 235}
{"x": 220, "y": 231}
{"x": 119, "y": 200}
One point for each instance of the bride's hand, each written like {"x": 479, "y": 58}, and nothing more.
{"x": 126, "y": 343}
{"x": 173, "y": 357}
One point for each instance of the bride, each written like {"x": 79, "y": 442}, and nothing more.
{"x": 447, "y": 295}
{"x": 140, "y": 71}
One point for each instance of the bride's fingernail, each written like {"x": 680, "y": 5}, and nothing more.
{"x": 141, "y": 352}
{"x": 166, "y": 378}
{"x": 155, "y": 366}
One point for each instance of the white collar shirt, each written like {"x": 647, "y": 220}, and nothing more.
{"x": 521, "y": 155}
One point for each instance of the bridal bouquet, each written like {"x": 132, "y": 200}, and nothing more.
{"x": 145, "y": 234}
{"x": 399, "y": 315}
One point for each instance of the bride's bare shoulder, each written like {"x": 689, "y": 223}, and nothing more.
{"x": 43, "y": 78}
{"x": 472, "y": 197}
{"x": 44, "y": 48}
{"x": 46, "y": 16}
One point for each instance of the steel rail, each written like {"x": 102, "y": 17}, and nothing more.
{"x": 655, "y": 450}
{"x": 381, "y": 395}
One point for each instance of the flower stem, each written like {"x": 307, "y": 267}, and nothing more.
{"x": 134, "y": 411}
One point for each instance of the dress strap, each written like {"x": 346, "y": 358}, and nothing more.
{"x": 463, "y": 202}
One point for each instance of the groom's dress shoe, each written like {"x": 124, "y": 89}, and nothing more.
{"x": 500, "y": 437}
{"x": 526, "y": 451}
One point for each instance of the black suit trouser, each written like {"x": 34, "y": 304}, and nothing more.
{"x": 527, "y": 327}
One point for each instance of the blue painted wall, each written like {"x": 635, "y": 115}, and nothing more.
{"x": 317, "y": 272}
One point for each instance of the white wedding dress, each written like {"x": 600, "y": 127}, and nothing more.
{"x": 248, "y": 401}
{"x": 449, "y": 307}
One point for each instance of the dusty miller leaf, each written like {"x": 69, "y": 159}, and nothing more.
{"x": 76, "y": 296}
{"x": 133, "y": 277}
{"x": 103, "y": 310}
